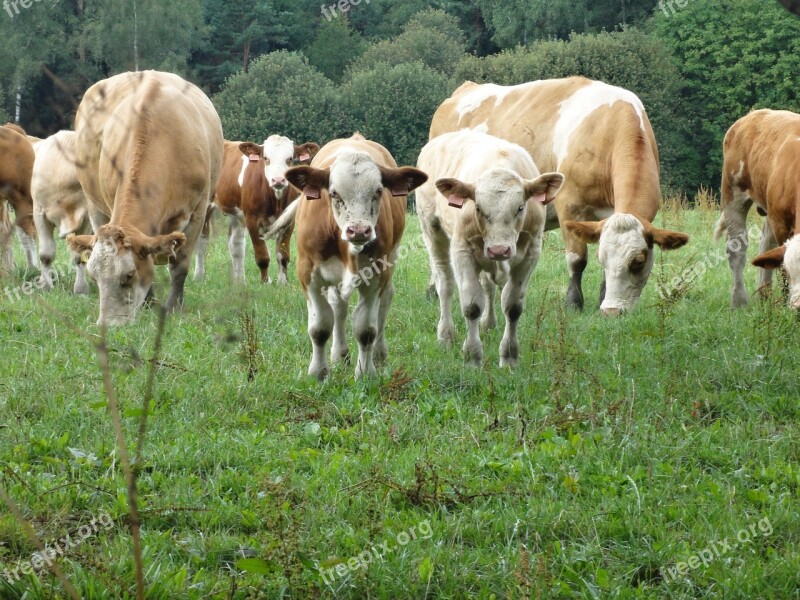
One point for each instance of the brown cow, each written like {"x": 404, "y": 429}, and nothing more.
{"x": 16, "y": 167}
{"x": 349, "y": 220}
{"x": 600, "y": 138}
{"x": 149, "y": 150}
{"x": 252, "y": 190}
{"x": 761, "y": 162}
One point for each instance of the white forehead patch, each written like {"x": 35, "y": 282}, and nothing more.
{"x": 479, "y": 95}
{"x": 278, "y": 148}
{"x": 356, "y": 172}
{"x": 499, "y": 191}
{"x": 107, "y": 261}
{"x": 791, "y": 259}
{"x": 575, "y": 109}
{"x": 623, "y": 231}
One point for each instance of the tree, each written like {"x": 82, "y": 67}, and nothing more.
{"x": 335, "y": 46}
{"x": 280, "y": 94}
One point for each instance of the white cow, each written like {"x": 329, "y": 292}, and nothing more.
{"x": 58, "y": 202}
{"x": 485, "y": 228}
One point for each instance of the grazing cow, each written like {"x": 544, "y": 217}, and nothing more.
{"x": 349, "y": 218}
{"x": 600, "y": 138}
{"x": 58, "y": 202}
{"x": 761, "y": 162}
{"x": 149, "y": 150}
{"x": 253, "y": 191}
{"x": 485, "y": 227}
{"x": 16, "y": 166}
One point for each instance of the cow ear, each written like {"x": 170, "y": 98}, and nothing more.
{"x": 772, "y": 259}
{"x": 402, "y": 181}
{"x": 309, "y": 180}
{"x": 250, "y": 149}
{"x": 81, "y": 244}
{"x": 457, "y": 192}
{"x": 668, "y": 240}
{"x": 162, "y": 244}
{"x": 305, "y": 152}
{"x": 586, "y": 231}
{"x": 544, "y": 188}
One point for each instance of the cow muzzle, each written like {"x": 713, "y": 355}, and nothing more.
{"x": 499, "y": 252}
{"x": 359, "y": 234}
{"x": 278, "y": 183}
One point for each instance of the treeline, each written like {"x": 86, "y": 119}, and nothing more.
{"x": 383, "y": 66}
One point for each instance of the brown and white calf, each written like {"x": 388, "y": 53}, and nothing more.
{"x": 600, "y": 138}
{"x": 58, "y": 203}
{"x": 349, "y": 220}
{"x": 149, "y": 150}
{"x": 16, "y": 167}
{"x": 253, "y": 191}
{"x": 762, "y": 166}
{"x": 484, "y": 229}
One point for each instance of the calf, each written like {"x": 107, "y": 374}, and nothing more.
{"x": 58, "y": 202}
{"x": 761, "y": 164}
{"x": 485, "y": 227}
{"x": 600, "y": 138}
{"x": 349, "y": 218}
{"x": 16, "y": 167}
{"x": 253, "y": 191}
{"x": 149, "y": 150}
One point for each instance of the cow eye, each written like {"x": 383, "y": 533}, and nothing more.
{"x": 127, "y": 279}
{"x": 266, "y": 161}
{"x": 521, "y": 208}
{"x": 478, "y": 210}
{"x": 289, "y": 160}
{"x": 638, "y": 263}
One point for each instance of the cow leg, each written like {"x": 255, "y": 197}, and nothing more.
{"x": 489, "y": 318}
{"x": 6, "y": 239}
{"x": 365, "y": 327}
{"x": 381, "y": 347}
{"x": 202, "y": 246}
{"x": 81, "y": 286}
{"x": 28, "y": 244}
{"x": 236, "y": 246}
{"x": 576, "y": 265}
{"x": 47, "y": 247}
{"x": 513, "y": 302}
{"x": 473, "y": 303}
{"x": 431, "y": 292}
{"x": 442, "y": 277}
{"x": 320, "y": 324}
{"x": 180, "y": 263}
{"x": 282, "y": 248}
{"x": 768, "y": 242}
{"x": 259, "y": 249}
{"x": 602, "y": 289}
{"x": 339, "y": 349}
{"x": 735, "y": 214}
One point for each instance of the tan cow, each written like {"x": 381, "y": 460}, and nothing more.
{"x": 149, "y": 150}
{"x": 58, "y": 203}
{"x": 600, "y": 138}
{"x": 253, "y": 192}
{"x": 349, "y": 221}
{"x": 484, "y": 229}
{"x": 16, "y": 166}
{"x": 762, "y": 166}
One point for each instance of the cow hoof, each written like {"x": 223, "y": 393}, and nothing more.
{"x": 473, "y": 357}
{"x": 508, "y": 362}
{"x": 341, "y": 356}
{"x": 320, "y": 373}
{"x": 81, "y": 290}
{"x": 738, "y": 301}
{"x": 282, "y": 279}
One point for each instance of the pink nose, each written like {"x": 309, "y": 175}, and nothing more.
{"x": 278, "y": 182}
{"x": 611, "y": 312}
{"x": 359, "y": 233}
{"x": 499, "y": 252}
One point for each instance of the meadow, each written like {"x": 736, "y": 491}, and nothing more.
{"x": 623, "y": 458}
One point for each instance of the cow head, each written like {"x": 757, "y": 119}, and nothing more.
{"x": 626, "y": 254}
{"x": 278, "y": 153}
{"x": 787, "y": 255}
{"x": 121, "y": 261}
{"x": 501, "y": 205}
{"x": 355, "y": 185}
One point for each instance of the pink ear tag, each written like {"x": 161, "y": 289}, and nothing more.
{"x": 254, "y": 158}
{"x": 304, "y": 157}
{"x": 455, "y": 201}
{"x": 311, "y": 192}
{"x": 540, "y": 198}
{"x": 400, "y": 190}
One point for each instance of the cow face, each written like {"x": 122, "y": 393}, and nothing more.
{"x": 787, "y": 255}
{"x": 355, "y": 185}
{"x": 626, "y": 255}
{"x": 501, "y": 205}
{"x": 122, "y": 264}
{"x": 278, "y": 153}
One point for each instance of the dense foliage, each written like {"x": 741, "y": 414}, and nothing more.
{"x": 697, "y": 68}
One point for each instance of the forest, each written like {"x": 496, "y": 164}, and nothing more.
{"x": 317, "y": 71}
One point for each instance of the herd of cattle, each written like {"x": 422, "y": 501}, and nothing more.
{"x": 138, "y": 180}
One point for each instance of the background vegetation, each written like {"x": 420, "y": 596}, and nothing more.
{"x": 281, "y": 66}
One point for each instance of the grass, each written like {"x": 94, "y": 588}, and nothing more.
{"x": 616, "y": 452}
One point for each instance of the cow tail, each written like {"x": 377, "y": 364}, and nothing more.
{"x": 284, "y": 222}
{"x": 720, "y": 228}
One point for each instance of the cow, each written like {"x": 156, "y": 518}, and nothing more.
{"x": 149, "y": 151}
{"x": 58, "y": 203}
{"x": 253, "y": 191}
{"x": 16, "y": 166}
{"x": 599, "y": 137}
{"x": 485, "y": 227}
{"x": 349, "y": 218}
{"x": 761, "y": 160}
